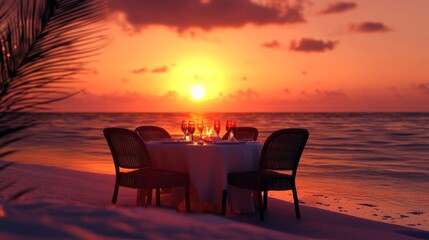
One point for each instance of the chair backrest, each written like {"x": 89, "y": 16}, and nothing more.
{"x": 244, "y": 134}
{"x": 283, "y": 148}
{"x": 152, "y": 133}
{"x": 127, "y": 148}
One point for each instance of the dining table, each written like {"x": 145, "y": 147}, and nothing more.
{"x": 208, "y": 165}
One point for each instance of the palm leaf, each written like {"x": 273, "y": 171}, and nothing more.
{"x": 5, "y": 10}
{"x": 42, "y": 46}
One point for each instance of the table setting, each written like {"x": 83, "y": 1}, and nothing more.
{"x": 208, "y": 159}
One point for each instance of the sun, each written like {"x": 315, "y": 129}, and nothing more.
{"x": 197, "y": 92}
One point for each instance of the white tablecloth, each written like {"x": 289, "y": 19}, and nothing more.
{"x": 208, "y": 166}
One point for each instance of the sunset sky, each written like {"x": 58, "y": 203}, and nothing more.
{"x": 259, "y": 55}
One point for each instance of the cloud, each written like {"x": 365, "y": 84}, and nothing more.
{"x": 172, "y": 95}
{"x": 199, "y": 35}
{"x": 286, "y": 91}
{"x": 311, "y": 45}
{"x": 332, "y": 94}
{"x": 186, "y": 14}
{"x": 272, "y": 44}
{"x": 338, "y": 7}
{"x": 140, "y": 70}
{"x": 244, "y": 94}
{"x": 423, "y": 87}
{"x": 160, "y": 69}
{"x": 368, "y": 27}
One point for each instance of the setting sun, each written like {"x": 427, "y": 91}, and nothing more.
{"x": 197, "y": 92}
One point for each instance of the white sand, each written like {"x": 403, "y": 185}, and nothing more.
{"x": 73, "y": 204}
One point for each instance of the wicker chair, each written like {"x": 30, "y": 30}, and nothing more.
{"x": 244, "y": 134}
{"x": 151, "y": 133}
{"x": 281, "y": 151}
{"x": 130, "y": 152}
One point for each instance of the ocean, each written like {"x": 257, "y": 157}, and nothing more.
{"x": 370, "y": 165}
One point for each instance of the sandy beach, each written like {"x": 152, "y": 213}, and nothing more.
{"x": 75, "y": 204}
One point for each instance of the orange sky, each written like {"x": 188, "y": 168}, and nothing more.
{"x": 260, "y": 56}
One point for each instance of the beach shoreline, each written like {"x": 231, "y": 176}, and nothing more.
{"x": 70, "y": 189}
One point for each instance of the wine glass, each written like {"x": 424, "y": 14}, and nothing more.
{"x": 233, "y": 128}
{"x": 191, "y": 129}
{"x": 184, "y": 128}
{"x": 200, "y": 126}
{"x": 217, "y": 127}
{"x": 228, "y": 128}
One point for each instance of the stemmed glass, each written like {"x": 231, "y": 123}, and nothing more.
{"x": 200, "y": 126}
{"x": 217, "y": 127}
{"x": 191, "y": 129}
{"x": 184, "y": 128}
{"x": 228, "y": 128}
{"x": 233, "y": 128}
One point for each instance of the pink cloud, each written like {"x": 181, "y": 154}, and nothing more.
{"x": 311, "y": 45}
{"x": 331, "y": 94}
{"x": 423, "y": 87}
{"x": 160, "y": 69}
{"x": 185, "y": 14}
{"x": 272, "y": 44}
{"x": 199, "y": 35}
{"x": 339, "y": 7}
{"x": 172, "y": 95}
{"x": 368, "y": 27}
{"x": 140, "y": 70}
{"x": 244, "y": 94}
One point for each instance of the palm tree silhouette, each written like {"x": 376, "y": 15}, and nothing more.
{"x": 43, "y": 44}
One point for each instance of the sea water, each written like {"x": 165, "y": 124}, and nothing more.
{"x": 371, "y": 165}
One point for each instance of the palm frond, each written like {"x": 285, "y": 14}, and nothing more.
{"x": 5, "y": 10}
{"x": 43, "y": 45}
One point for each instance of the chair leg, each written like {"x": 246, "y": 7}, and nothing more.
{"x": 296, "y": 203}
{"x": 158, "y": 197}
{"x": 261, "y": 210}
{"x": 115, "y": 193}
{"x": 265, "y": 199}
{"x": 224, "y": 196}
{"x": 187, "y": 198}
